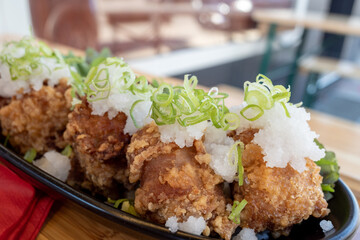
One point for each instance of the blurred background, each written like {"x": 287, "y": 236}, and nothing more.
{"x": 313, "y": 46}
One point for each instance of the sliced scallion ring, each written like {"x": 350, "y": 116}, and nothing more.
{"x": 230, "y": 121}
{"x": 252, "y": 112}
{"x": 164, "y": 95}
{"x": 264, "y": 94}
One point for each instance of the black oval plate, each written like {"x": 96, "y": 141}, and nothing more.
{"x": 344, "y": 207}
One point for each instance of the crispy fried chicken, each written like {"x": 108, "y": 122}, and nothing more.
{"x": 37, "y": 119}
{"x": 277, "y": 197}
{"x": 99, "y": 145}
{"x": 176, "y": 181}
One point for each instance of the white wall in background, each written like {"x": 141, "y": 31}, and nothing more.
{"x": 15, "y": 17}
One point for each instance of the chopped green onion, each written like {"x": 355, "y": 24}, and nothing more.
{"x": 30, "y": 155}
{"x": 188, "y": 105}
{"x": 252, "y": 116}
{"x": 298, "y": 104}
{"x": 261, "y": 78}
{"x": 6, "y": 140}
{"x": 240, "y": 149}
{"x": 126, "y": 205}
{"x": 155, "y": 83}
{"x": 78, "y": 88}
{"x": 286, "y": 110}
{"x": 262, "y": 95}
{"x": 236, "y": 211}
{"x": 24, "y": 57}
{"x": 98, "y": 85}
{"x": 129, "y": 208}
{"x": 230, "y": 121}
{"x": 140, "y": 87}
{"x": 235, "y": 157}
{"x": 213, "y": 92}
{"x": 67, "y": 151}
{"x": 164, "y": 95}
{"x": 132, "y": 110}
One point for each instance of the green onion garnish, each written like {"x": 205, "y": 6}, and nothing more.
{"x": 98, "y": 84}
{"x": 24, "y": 57}
{"x": 262, "y": 95}
{"x": 126, "y": 205}
{"x": 30, "y": 155}
{"x": 131, "y": 112}
{"x": 236, "y": 210}
{"x": 129, "y": 208}
{"x": 231, "y": 121}
{"x": 188, "y": 105}
{"x": 67, "y": 151}
{"x": 252, "y": 117}
{"x": 6, "y": 140}
{"x": 235, "y": 156}
{"x": 155, "y": 83}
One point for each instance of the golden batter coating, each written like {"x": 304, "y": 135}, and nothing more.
{"x": 277, "y": 197}
{"x": 38, "y": 119}
{"x": 99, "y": 145}
{"x": 176, "y": 181}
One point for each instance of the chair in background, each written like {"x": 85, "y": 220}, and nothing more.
{"x": 68, "y": 22}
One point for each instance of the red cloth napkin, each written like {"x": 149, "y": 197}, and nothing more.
{"x": 23, "y": 209}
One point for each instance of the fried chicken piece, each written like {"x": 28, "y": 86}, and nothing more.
{"x": 38, "y": 119}
{"x": 99, "y": 145}
{"x": 4, "y": 102}
{"x": 176, "y": 181}
{"x": 277, "y": 197}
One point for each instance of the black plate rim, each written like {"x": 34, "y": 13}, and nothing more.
{"x": 59, "y": 189}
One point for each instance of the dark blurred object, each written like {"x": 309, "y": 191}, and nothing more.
{"x": 69, "y": 22}
{"x": 233, "y": 15}
{"x": 336, "y": 41}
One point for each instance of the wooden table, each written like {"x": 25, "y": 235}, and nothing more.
{"x": 331, "y": 23}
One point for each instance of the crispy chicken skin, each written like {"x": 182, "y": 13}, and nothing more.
{"x": 99, "y": 145}
{"x": 277, "y": 197}
{"x": 176, "y": 181}
{"x": 38, "y": 119}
